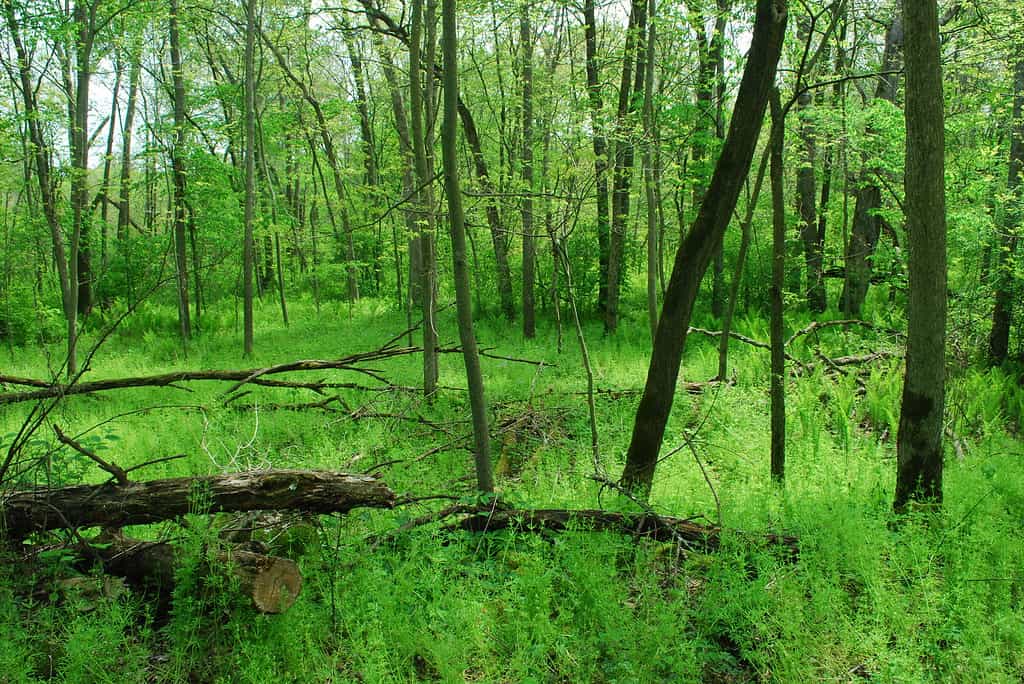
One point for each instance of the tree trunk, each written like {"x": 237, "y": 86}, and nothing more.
{"x": 248, "y": 242}
{"x": 103, "y": 197}
{"x": 457, "y": 224}
{"x": 529, "y": 249}
{"x": 508, "y": 306}
{"x": 84, "y": 16}
{"x": 622, "y": 171}
{"x": 866, "y": 223}
{"x": 778, "y": 352}
{"x": 178, "y": 165}
{"x": 650, "y": 189}
{"x": 144, "y": 503}
{"x": 1002, "y": 310}
{"x": 697, "y": 249}
{"x": 600, "y": 145}
{"x": 40, "y": 153}
{"x": 424, "y": 201}
{"x": 124, "y": 187}
{"x": 919, "y": 442}
{"x": 737, "y": 277}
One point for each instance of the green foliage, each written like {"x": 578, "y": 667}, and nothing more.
{"x": 929, "y": 600}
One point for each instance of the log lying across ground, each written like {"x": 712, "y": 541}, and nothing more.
{"x": 662, "y": 528}
{"x": 139, "y": 503}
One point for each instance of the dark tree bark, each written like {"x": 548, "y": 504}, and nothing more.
{"x": 144, "y": 503}
{"x": 84, "y": 18}
{"x": 457, "y": 225}
{"x": 866, "y": 223}
{"x": 697, "y": 249}
{"x": 1002, "y": 310}
{"x": 778, "y": 351}
{"x": 103, "y": 196}
{"x": 919, "y": 442}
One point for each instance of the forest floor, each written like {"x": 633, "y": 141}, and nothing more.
{"x": 939, "y": 597}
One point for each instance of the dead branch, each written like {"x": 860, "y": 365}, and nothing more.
{"x": 658, "y": 527}
{"x": 845, "y": 323}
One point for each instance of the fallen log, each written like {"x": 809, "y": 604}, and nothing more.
{"x": 255, "y": 376}
{"x": 658, "y": 527}
{"x": 140, "y": 503}
{"x": 270, "y": 582}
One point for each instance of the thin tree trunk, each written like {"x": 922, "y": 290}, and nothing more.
{"x": 741, "y": 259}
{"x": 108, "y": 161}
{"x": 425, "y": 201}
{"x": 248, "y": 243}
{"x": 178, "y": 165}
{"x": 478, "y": 404}
{"x": 84, "y": 16}
{"x": 124, "y": 186}
{"x": 529, "y": 249}
{"x": 649, "y": 178}
{"x": 778, "y": 352}
{"x": 632, "y": 82}
{"x": 504, "y": 273}
{"x": 600, "y": 145}
{"x": 40, "y": 153}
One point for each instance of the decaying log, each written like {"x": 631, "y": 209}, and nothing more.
{"x": 661, "y": 528}
{"x": 272, "y": 583}
{"x": 139, "y": 503}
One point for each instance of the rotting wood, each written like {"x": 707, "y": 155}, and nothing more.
{"x": 658, "y": 527}
{"x": 140, "y": 503}
{"x": 270, "y": 582}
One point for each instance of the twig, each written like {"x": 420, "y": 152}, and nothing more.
{"x": 116, "y": 471}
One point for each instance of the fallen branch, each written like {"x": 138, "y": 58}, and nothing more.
{"x": 746, "y": 340}
{"x": 661, "y": 528}
{"x": 845, "y": 323}
{"x": 140, "y": 503}
{"x": 239, "y": 377}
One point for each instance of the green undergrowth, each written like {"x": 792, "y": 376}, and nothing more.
{"x": 937, "y": 597}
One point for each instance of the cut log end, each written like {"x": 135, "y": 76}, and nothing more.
{"x": 273, "y": 583}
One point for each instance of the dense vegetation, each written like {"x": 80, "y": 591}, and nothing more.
{"x": 191, "y": 186}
